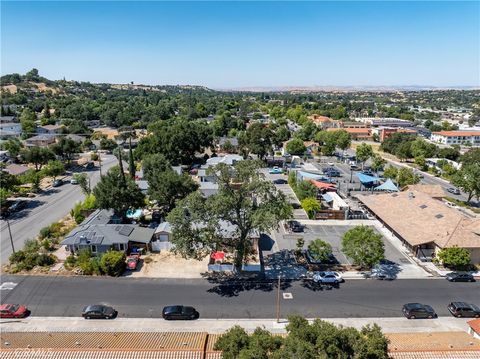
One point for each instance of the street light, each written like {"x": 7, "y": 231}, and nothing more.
{"x": 10, "y": 233}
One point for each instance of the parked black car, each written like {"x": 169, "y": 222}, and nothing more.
{"x": 178, "y": 312}
{"x": 295, "y": 226}
{"x": 462, "y": 309}
{"x": 460, "y": 277}
{"x": 418, "y": 310}
{"x": 17, "y": 205}
{"x": 280, "y": 181}
{"x": 57, "y": 183}
{"x": 331, "y": 172}
{"x": 99, "y": 312}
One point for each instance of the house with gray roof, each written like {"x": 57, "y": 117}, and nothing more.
{"x": 99, "y": 233}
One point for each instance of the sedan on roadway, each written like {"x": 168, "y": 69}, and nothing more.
{"x": 99, "y": 312}
{"x": 418, "y": 310}
{"x": 179, "y": 312}
{"x": 13, "y": 311}
{"x": 460, "y": 277}
{"x": 275, "y": 170}
{"x": 453, "y": 190}
{"x": 327, "y": 277}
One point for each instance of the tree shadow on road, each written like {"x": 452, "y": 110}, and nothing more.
{"x": 234, "y": 286}
{"x": 318, "y": 287}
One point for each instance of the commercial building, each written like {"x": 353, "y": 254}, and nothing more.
{"x": 385, "y": 132}
{"x": 424, "y": 224}
{"x": 457, "y": 138}
{"x": 358, "y": 134}
{"x": 384, "y": 121}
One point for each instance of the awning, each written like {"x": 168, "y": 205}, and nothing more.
{"x": 218, "y": 255}
{"x": 327, "y": 197}
{"x": 309, "y": 175}
{"x": 322, "y": 185}
{"x": 366, "y": 178}
{"x": 388, "y": 185}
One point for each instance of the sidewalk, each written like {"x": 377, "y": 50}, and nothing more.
{"x": 77, "y": 324}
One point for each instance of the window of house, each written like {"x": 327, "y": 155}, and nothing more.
{"x": 93, "y": 248}
{"x": 121, "y": 246}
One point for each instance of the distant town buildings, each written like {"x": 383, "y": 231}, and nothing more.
{"x": 457, "y": 137}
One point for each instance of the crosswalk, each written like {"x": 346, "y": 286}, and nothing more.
{"x": 8, "y": 285}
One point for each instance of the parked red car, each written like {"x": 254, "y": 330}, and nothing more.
{"x": 132, "y": 261}
{"x": 13, "y": 311}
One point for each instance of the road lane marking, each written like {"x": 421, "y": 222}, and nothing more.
{"x": 8, "y": 286}
{"x": 287, "y": 296}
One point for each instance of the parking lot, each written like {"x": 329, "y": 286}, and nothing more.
{"x": 333, "y": 235}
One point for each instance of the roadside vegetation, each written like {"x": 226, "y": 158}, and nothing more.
{"x": 319, "y": 339}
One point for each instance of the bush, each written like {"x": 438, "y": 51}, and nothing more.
{"x": 455, "y": 257}
{"x": 94, "y": 156}
{"x": 147, "y": 259}
{"x": 47, "y": 244}
{"x": 17, "y": 257}
{"x": 45, "y": 232}
{"x": 310, "y": 205}
{"x": 113, "y": 263}
{"x": 320, "y": 250}
{"x": 31, "y": 246}
{"x": 70, "y": 261}
{"x": 79, "y": 218}
{"x": 45, "y": 260}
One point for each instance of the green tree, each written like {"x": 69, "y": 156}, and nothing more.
{"x": 66, "y": 148}
{"x": 305, "y": 189}
{"x": 467, "y": 178}
{"x": 245, "y": 202}
{"x": 406, "y": 176}
{"x": 13, "y": 146}
{"x": 257, "y": 139}
{"x": 83, "y": 182}
{"x": 320, "y": 250}
{"x": 7, "y": 181}
{"x": 377, "y": 163}
{"x": 363, "y": 152}
{"x": 54, "y": 168}
{"x": 153, "y": 164}
{"x": 310, "y": 205}
{"x": 364, "y": 246}
{"x": 404, "y": 151}
{"x": 328, "y": 141}
{"x": 116, "y": 192}
{"x": 38, "y": 156}
{"x": 455, "y": 257}
{"x": 112, "y": 263}
{"x": 107, "y": 144}
{"x": 343, "y": 139}
{"x": 168, "y": 187}
{"x": 391, "y": 172}
{"x": 296, "y": 147}
{"x": 27, "y": 120}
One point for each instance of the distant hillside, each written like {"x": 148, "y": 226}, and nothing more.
{"x": 33, "y": 82}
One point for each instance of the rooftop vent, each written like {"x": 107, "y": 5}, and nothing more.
{"x": 439, "y": 216}
{"x": 423, "y": 206}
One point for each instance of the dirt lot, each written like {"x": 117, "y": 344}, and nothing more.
{"x": 168, "y": 265}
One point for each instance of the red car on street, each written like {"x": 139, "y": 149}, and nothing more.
{"x": 132, "y": 261}
{"x": 13, "y": 311}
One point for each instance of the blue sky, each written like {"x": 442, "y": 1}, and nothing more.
{"x": 241, "y": 44}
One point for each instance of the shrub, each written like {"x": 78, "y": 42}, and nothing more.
{"x": 45, "y": 260}
{"x": 70, "y": 261}
{"x": 455, "y": 257}
{"x": 310, "y": 205}
{"x": 31, "y": 245}
{"x": 47, "y": 244}
{"x": 45, "y": 232}
{"x": 94, "y": 157}
{"x": 320, "y": 250}
{"x": 17, "y": 257}
{"x": 79, "y": 218}
{"x": 113, "y": 263}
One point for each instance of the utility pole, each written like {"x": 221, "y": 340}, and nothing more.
{"x": 278, "y": 300}
{"x": 100, "y": 163}
{"x": 10, "y": 233}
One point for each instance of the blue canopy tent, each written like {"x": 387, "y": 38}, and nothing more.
{"x": 366, "y": 180}
{"x": 307, "y": 175}
{"x": 388, "y": 185}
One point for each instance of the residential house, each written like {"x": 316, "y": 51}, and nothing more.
{"x": 15, "y": 170}
{"x": 230, "y": 143}
{"x": 230, "y": 159}
{"x": 474, "y": 328}
{"x": 101, "y": 232}
{"x": 40, "y": 141}
{"x": 50, "y": 129}
{"x": 471, "y": 138}
{"x": 324, "y": 122}
{"x": 424, "y": 224}
{"x": 10, "y": 129}
{"x": 7, "y": 119}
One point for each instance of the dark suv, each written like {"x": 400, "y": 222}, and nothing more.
{"x": 418, "y": 310}
{"x": 99, "y": 312}
{"x": 462, "y": 309}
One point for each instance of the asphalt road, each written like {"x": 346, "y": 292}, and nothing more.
{"x": 44, "y": 209}
{"x": 145, "y": 297}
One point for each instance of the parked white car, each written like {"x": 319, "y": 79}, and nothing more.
{"x": 327, "y": 277}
